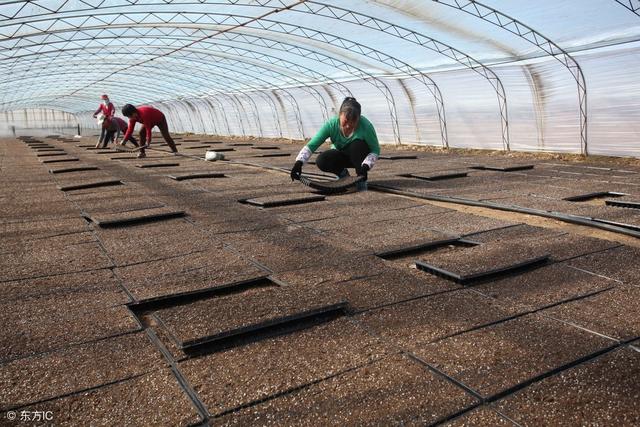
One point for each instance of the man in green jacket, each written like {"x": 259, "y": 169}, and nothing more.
{"x": 354, "y": 144}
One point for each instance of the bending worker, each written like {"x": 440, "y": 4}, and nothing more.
{"x": 149, "y": 117}
{"x": 354, "y": 145}
{"x": 113, "y": 127}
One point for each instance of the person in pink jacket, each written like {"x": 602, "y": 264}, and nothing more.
{"x": 107, "y": 109}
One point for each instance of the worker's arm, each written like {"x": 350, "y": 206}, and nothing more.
{"x": 318, "y": 139}
{"x": 129, "y": 132}
{"x": 371, "y": 139}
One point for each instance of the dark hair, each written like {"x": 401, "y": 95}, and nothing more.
{"x": 128, "y": 110}
{"x": 350, "y": 108}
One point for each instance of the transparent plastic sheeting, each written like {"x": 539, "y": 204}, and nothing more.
{"x": 263, "y": 69}
{"x": 37, "y": 122}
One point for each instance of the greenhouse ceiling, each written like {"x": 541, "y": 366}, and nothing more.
{"x": 62, "y": 55}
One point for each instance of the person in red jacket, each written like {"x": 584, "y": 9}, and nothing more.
{"x": 107, "y": 109}
{"x": 149, "y": 117}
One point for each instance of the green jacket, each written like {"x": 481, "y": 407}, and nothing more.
{"x": 331, "y": 129}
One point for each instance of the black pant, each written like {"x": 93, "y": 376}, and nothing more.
{"x": 110, "y": 136}
{"x": 351, "y": 156}
{"x": 164, "y": 130}
{"x": 103, "y": 134}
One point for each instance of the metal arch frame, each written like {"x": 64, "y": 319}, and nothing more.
{"x": 628, "y": 4}
{"x": 209, "y": 101}
{"x": 211, "y": 111}
{"x": 91, "y": 101}
{"x": 314, "y": 92}
{"x": 236, "y": 24}
{"x": 503, "y": 109}
{"x": 47, "y": 109}
{"x": 348, "y": 45}
{"x": 518, "y": 28}
{"x": 157, "y": 27}
{"x": 135, "y": 89}
{"x": 364, "y": 51}
{"x": 146, "y": 47}
{"x": 431, "y": 86}
{"x": 132, "y": 88}
{"x": 408, "y": 35}
{"x": 191, "y": 104}
{"x": 375, "y": 81}
{"x": 290, "y": 97}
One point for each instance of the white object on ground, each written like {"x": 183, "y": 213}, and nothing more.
{"x": 212, "y": 156}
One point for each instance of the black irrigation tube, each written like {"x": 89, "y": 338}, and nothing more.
{"x": 573, "y": 219}
{"x": 618, "y": 224}
{"x": 623, "y": 204}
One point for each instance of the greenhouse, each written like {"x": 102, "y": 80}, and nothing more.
{"x": 320, "y": 212}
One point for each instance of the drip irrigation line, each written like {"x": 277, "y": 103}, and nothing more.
{"x": 572, "y": 219}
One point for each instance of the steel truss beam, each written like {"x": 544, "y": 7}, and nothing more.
{"x": 632, "y": 5}
{"x": 338, "y": 63}
{"x": 205, "y": 74}
{"x": 278, "y": 6}
{"x": 292, "y": 68}
{"x": 170, "y": 76}
{"x": 398, "y": 64}
{"x": 344, "y": 15}
{"x": 527, "y": 33}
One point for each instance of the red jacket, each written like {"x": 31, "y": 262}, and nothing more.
{"x": 108, "y": 110}
{"x": 149, "y": 117}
